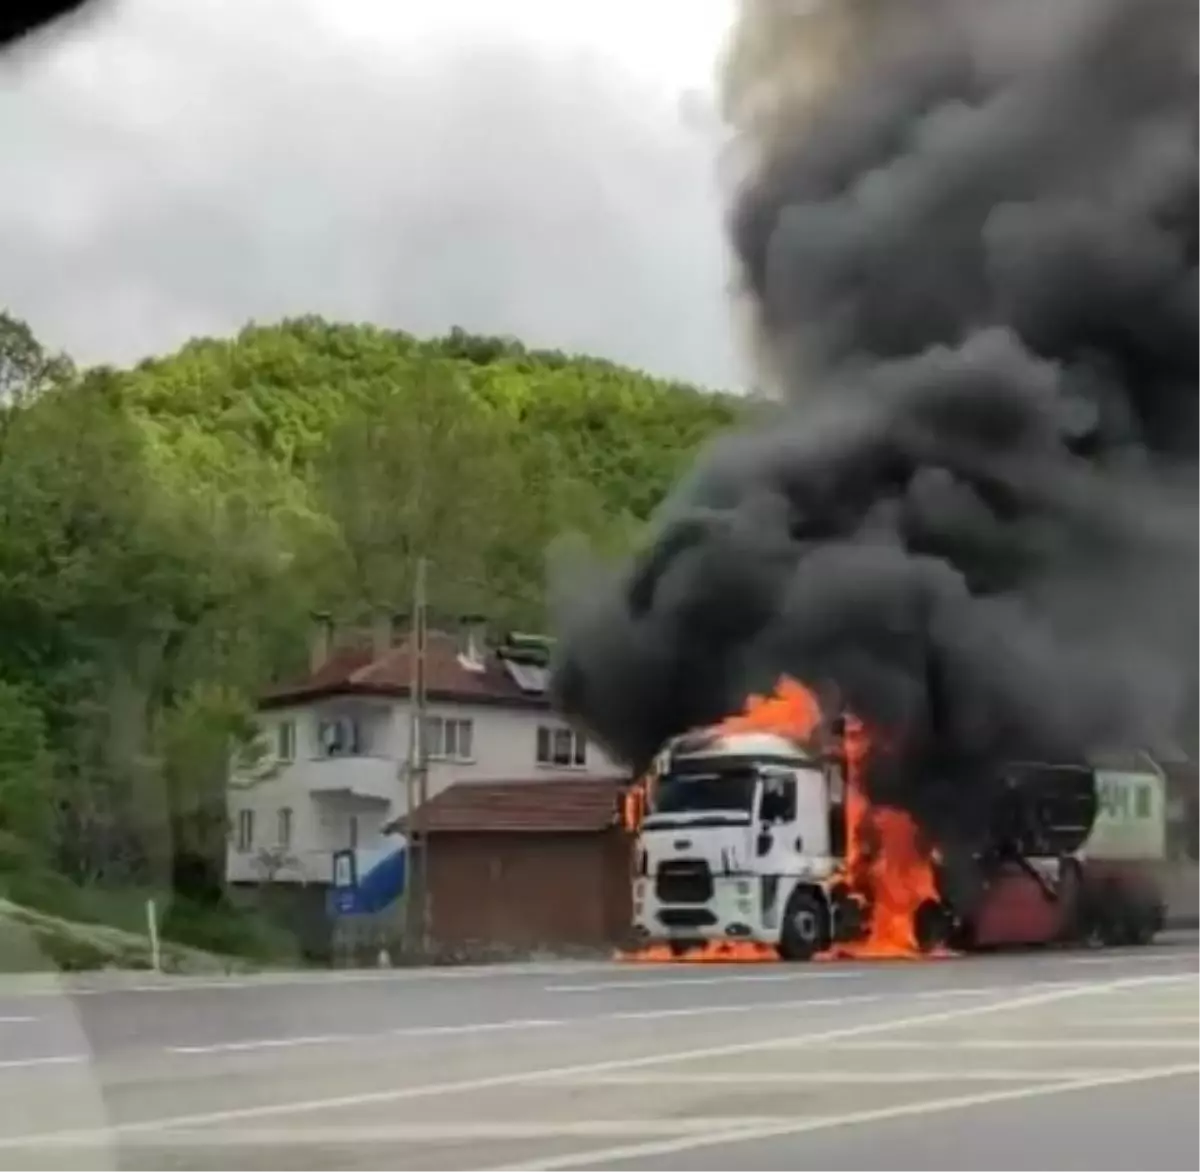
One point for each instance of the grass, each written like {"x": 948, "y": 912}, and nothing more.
{"x": 35, "y": 941}
{"x": 47, "y": 922}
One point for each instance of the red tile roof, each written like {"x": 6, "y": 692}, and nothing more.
{"x": 355, "y": 670}
{"x": 563, "y": 805}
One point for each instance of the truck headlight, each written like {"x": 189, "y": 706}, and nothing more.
{"x": 743, "y": 887}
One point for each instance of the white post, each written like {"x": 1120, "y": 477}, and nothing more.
{"x": 152, "y": 927}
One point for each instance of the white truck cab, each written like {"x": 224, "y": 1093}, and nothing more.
{"x": 741, "y": 840}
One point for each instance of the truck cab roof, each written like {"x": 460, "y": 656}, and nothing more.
{"x": 759, "y": 746}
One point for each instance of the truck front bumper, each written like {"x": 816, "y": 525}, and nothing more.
{"x": 733, "y": 912}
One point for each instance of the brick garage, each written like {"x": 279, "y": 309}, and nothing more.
{"x": 517, "y": 867}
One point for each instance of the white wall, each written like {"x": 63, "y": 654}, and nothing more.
{"x": 324, "y": 793}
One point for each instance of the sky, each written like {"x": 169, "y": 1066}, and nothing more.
{"x": 527, "y": 167}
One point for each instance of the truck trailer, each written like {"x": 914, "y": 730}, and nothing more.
{"x": 742, "y": 837}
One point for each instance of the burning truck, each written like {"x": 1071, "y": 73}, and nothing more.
{"x": 755, "y": 837}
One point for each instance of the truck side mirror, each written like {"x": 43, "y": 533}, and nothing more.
{"x": 763, "y": 844}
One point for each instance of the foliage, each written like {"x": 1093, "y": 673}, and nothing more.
{"x": 165, "y": 532}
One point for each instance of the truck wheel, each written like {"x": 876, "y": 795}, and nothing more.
{"x": 1073, "y": 899}
{"x": 931, "y": 926}
{"x": 805, "y": 927}
{"x": 1142, "y": 925}
{"x": 1115, "y": 922}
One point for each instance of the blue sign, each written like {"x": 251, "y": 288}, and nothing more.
{"x": 343, "y": 895}
{"x": 367, "y": 882}
{"x": 345, "y": 870}
{"x": 344, "y": 901}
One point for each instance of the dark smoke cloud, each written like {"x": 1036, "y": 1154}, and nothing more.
{"x": 967, "y": 236}
{"x": 22, "y": 20}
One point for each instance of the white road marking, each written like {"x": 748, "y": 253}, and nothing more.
{"x": 401, "y": 1032}
{"x": 640, "y": 1151}
{"x": 982, "y": 990}
{"x": 1163, "y": 957}
{"x": 744, "y": 1007}
{"x": 1121, "y": 1022}
{"x": 22, "y": 1020}
{"x": 825, "y": 1076}
{"x": 52, "y": 1060}
{"x": 1039, "y": 1043}
{"x": 266, "y": 1044}
{"x": 554, "y": 1073}
{"x": 353, "y": 1134}
{"x": 737, "y": 978}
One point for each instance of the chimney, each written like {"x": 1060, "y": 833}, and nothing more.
{"x": 383, "y": 633}
{"x": 321, "y": 640}
{"x": 472, "y": 646}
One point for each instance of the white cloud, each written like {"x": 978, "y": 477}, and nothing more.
{"x": 521, "y": 167}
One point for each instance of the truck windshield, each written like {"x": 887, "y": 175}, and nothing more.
{"x": 689, "y": 793}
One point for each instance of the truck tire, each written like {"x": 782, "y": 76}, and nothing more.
{"x": 805, "y": 927}
{"x": 1074, "y": 904}
{"x": 1143, "y": 921}
{"x": 932, "y": 926}
{"x": 1141, "y": 929}
{"x": 1115, "y": 918}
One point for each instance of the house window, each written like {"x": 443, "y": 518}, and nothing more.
{"x": 285, "y": 740}
{"x": 561, "y": 746}
{"x": 450, "y": 738}
{"x": 340, "y": 737}
{"x": 285, "y": 828}
{"x": 244, "y": 836}
{"x": 1143, "y": 802}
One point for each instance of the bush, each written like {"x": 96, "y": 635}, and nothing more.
{"x": 83, "y": 914}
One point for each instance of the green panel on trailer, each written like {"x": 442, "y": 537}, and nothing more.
{"x": 1131, "y": 816}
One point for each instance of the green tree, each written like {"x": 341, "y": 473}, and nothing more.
{"x": 418, "y": 468}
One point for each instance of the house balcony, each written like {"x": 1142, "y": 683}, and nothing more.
{"x": 370, "y": 778}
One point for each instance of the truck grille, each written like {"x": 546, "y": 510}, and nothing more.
{"x": 686, "y": 917}
{"x": 684, "y": 881}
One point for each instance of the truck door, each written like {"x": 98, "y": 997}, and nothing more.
{"x": 792, "y": 815}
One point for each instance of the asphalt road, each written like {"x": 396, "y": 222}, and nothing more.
{"x": 1040, "y": 1062}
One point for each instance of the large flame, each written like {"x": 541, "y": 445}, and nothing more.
{"x": 791, "y": 711}
{"x": 886, "y": 867}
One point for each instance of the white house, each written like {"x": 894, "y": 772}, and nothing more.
{"x": 338, "y": 744}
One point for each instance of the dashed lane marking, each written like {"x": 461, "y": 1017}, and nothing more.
{"x": 827, "y": 1077}
{"x": 51, "y": 1060}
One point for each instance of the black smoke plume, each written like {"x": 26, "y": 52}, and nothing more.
{"x": 966, "y": 233}
{"x": 21, "y": 18}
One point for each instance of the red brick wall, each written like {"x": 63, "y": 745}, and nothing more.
{"x": 526, "y": 892}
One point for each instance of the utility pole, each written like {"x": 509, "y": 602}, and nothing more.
{"x": 417, "y": 771}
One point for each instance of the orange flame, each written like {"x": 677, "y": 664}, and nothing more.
{"x": 633, "y": 805}
{"x": 886, "y": 867}
{"x": 710, "y": 952}
{"x": 791, "y": 711}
